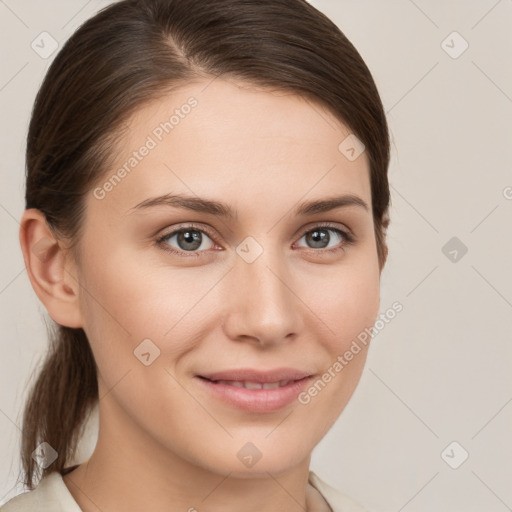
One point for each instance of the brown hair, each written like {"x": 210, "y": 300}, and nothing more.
{"x": 135, "y": 51}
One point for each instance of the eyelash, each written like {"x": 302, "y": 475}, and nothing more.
{"x": 348, "y": 239}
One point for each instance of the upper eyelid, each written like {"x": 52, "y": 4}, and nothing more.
{"x": 191, "y": 226}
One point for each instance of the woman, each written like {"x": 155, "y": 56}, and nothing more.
{"x": 206, "y": 207}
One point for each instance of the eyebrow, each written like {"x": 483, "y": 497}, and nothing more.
{"x": 217, "y": 208}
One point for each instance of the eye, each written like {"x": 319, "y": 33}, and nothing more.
{"x": 192, "y": 240}
{"x": 189, "y": 239}
{"x": 319, "y": 238}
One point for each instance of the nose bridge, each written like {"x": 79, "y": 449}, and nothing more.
{"x": 262, "y": 304}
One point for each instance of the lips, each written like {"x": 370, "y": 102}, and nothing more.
{"x": 257, "y": 376}
{"x": 253, "y": 385}
{"x": 255, "y": 390}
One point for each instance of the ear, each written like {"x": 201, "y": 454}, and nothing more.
{"x": 383, "y": 239}
{"x": 50, "y": 269}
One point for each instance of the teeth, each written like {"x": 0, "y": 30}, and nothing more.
{"x": 271, "y": 385}
{"x": 253, "y": 385}
{"x": 235, "y": 383}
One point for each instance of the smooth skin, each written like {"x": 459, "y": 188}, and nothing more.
{"x": 165, "y": 443}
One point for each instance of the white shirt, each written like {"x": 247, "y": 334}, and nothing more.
{"x": 52, "y": 495}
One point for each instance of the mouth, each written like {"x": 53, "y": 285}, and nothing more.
{"x": 252, "y": 384}
{"x": 255, "y": 391}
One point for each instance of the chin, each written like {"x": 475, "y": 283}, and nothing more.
{"x": 275, "y": 461}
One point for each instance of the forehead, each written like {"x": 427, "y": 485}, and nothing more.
{"x": 220, "y": 138}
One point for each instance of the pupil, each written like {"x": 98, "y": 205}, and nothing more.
{"x": 319, "y": 237}
{"x": 190, "y": 237}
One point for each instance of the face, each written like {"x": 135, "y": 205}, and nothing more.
{"x": 175, "y": 290}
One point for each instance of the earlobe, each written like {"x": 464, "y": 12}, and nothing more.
{"x": 48, "y": 267}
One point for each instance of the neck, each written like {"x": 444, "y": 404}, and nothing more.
{"x": 129, "y": 471}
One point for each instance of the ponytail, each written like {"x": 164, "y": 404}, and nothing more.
{"x": 59, "y": 402}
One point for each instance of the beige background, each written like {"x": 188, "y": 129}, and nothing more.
{"x": 441, "y": 370}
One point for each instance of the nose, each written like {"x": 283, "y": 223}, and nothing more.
{"x": 261, "y": 304}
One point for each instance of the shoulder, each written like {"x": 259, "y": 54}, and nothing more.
{"x": 338, "y": 501}
{"x": 50, "y": 495}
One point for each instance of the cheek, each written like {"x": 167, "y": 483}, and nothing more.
{"x": 348, "y": 306}
{"x": 346, "y": 299}
{"x": 124, "y": 303}
{"x": 120, "y": 295}
{"x": 118, "y": 308}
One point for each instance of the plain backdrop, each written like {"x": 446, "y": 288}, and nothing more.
{"x": 428, "y": 427}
